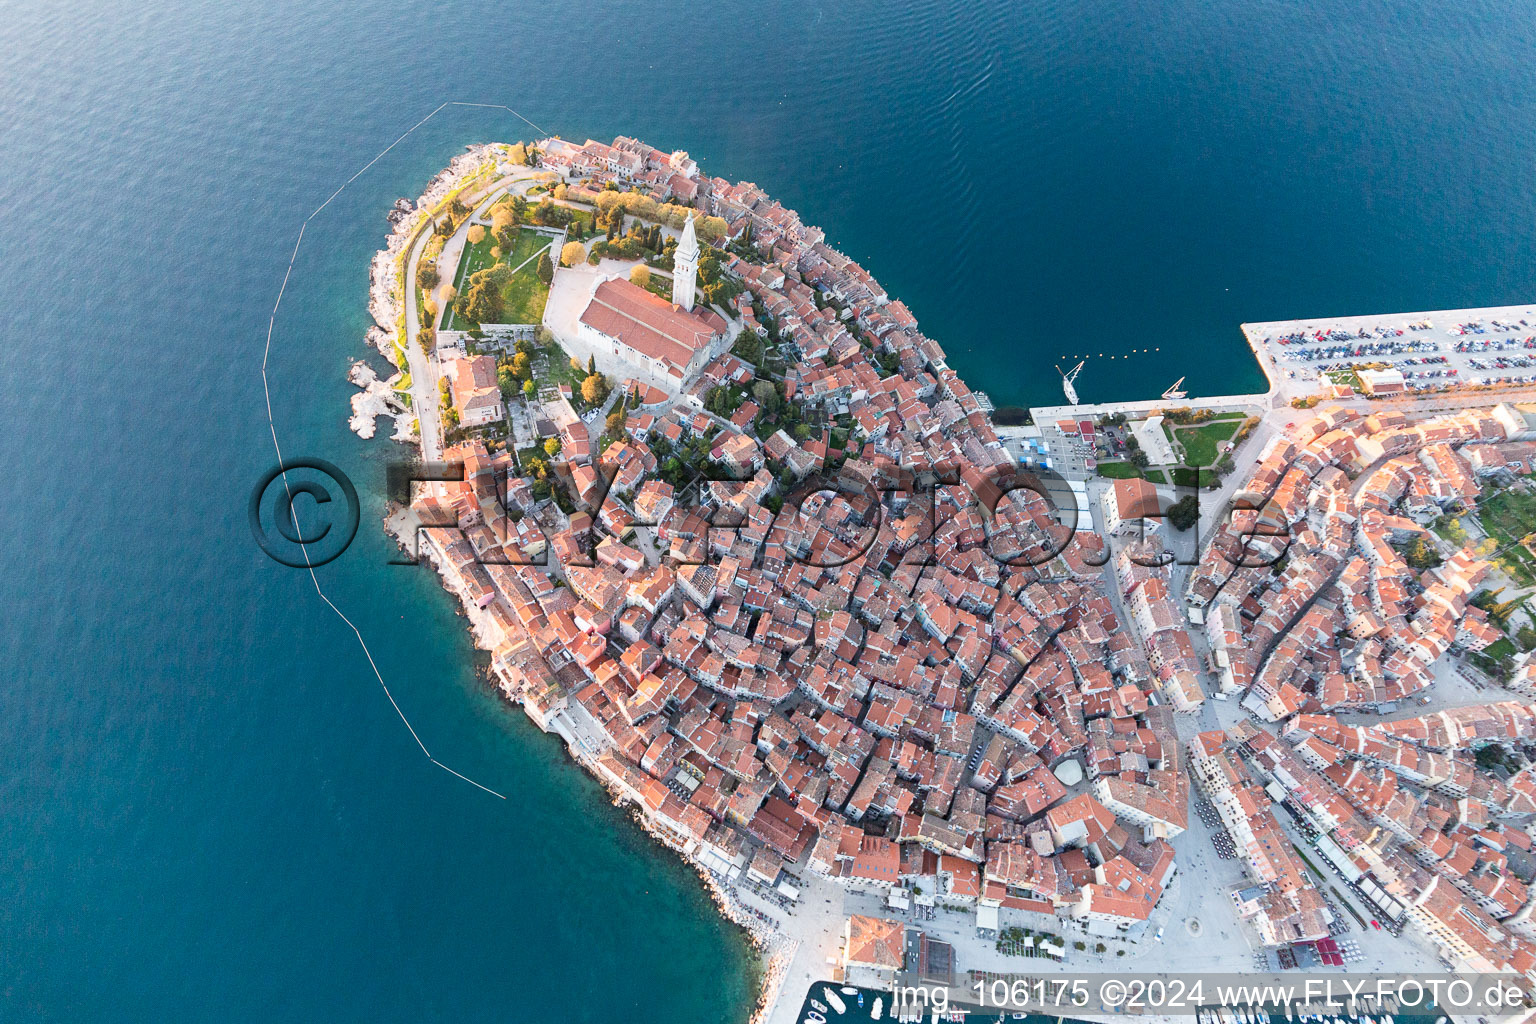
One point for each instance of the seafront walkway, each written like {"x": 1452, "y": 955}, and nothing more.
{"x": 425, "y": 368}
{"x": 1254, "y": 404}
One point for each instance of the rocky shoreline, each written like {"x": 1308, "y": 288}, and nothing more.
{"x": 378, "y": 398}
{"x": 385, "y": 301}
{"x": 774, "y": 948}
{"x": 385, "y": 306}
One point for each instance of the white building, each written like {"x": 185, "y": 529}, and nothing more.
{"x": 685, "y": 267}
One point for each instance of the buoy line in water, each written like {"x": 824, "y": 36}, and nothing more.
{"x": 272, "y": 425}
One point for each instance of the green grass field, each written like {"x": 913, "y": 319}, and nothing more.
{"x": 1509, "y": 515}
{"x": 1184, "y": 476}
{"x": 1202, "y": 443}
{"x": 1118, "y": 470}
{"x": 552, "y": 367}
{"x": 524, "y": 295}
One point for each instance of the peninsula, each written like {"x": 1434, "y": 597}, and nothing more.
{"x": 1236, "y": 684}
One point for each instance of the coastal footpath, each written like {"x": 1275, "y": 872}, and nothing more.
{"x": 731, "y": 527}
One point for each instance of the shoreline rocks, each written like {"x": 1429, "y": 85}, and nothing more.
{"x": 377, "y": 398}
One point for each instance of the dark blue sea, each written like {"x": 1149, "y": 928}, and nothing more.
{"x": 208, "y": 810}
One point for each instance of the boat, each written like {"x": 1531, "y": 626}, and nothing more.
{"x": 878, "y": 1010}
{"x": 836, "y": 1001}
{"x": 1067, "y": 380}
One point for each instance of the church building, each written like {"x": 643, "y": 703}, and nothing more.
{"x": 662, "y": 343}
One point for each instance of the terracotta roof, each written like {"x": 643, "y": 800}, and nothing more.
{"x": 875, "y": 941}
{"x": 650, "y": 324}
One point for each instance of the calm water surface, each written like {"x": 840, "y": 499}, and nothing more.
{"x": 207, "y": 809}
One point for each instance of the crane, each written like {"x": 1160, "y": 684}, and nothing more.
{"x": 1174, "y": 393}
{"x": 1066, "y": 382}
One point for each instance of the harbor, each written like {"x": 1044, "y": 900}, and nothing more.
{"x": 833, "y": 1003}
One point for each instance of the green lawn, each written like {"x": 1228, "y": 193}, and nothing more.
{"x": 1349, "y": 377}
{"x": 1202, "y": 443}
{"x": 1501, "y": 648}
{"x": 524, "y": 295}
{"x": 1156, "y": 476}
{"x": 1509, "y": 515}
{"x": 1118, "y": 470}
{"x": 1184, "y": 476}
{"x": 552, "y": 367}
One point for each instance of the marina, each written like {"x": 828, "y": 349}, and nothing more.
{"x": 830, "y": 1003}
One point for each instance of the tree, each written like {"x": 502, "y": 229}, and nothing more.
{"x": 529, "y": 389}
{"x": 640, "y": 274}
{"x": 1526, "y": 637}
{"x": 719, "y": 401}
{"x": 522, "y": 366}
{"x": 615, "y": 423}
{"x": 551, "y": 445}
{"x": 1420, "y": 555}
{"x": 572, "y": 254}
{"x": 477, "y": 234}
{"x": 594, "y": 389}
{"x": 481, "y": 302}
{"x": 591, "y": 365}
{"x": 546, "y": 268}
{"x": 749, "y": 347}
{"x": 766, "y": 395}
{"x": 1500, "y": 611}
{"x": 1184, "y": 513}
{"x": 506, "y": 380}
{"x": 519, "y": 154}
{"x": 427, "y": 276}
{"x": 504, "y": 226}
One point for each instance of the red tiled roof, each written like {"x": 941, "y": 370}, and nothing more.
{"x": 650, "y": 324}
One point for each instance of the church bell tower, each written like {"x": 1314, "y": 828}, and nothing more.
{"x": 685, "y": 267}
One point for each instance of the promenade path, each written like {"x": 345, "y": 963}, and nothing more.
{"x": 425, "y": 368}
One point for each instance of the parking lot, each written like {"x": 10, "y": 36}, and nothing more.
{"x": 1433, "y": 350}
